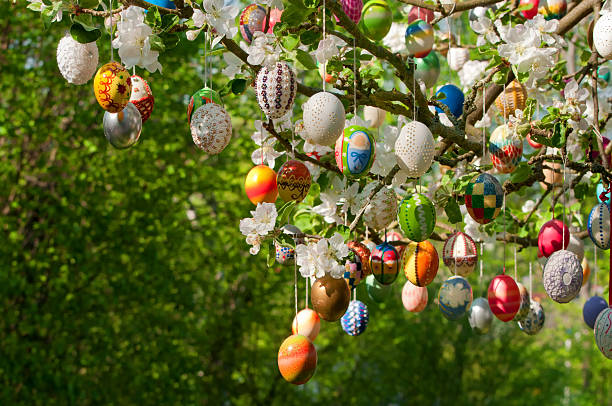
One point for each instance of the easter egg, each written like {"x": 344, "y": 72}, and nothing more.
{"x": 480, "y": 316}
{"x": 512, "y": 99}
{"x": 252, "y": 19}
{"x": 419, "y": 38}
{"x": 374, "y": 116}
{"x": 293, "y": 181}
{"x": 417, "y": 217}
{"x": 260, "y": 185}
{"x": 355, "y": 320}
{"x": 530, "y": 12}
{"x": 420, "y": 263}
{"x": 602, "y": 36}
{"x": 554, "y": 235}
{"x": 504, "y": 297}
{"x": 576, "y": 246}
{"x": 591, "y": 309}
{"x": 460, "y": 253}
{"x": 384, "y": 263}
{"x": 505, "y": 149}
{"x": 457, "y": 57}
{"x": 484, "y": 198}
{"x": 534, "y": 320}
{"x": 452, "y": 97}
{"x": 76, "y": 62}
{"x": 306, "y": 323}
{"x": 420, "y": 13}
{"x": 414, "y": 149}
{"x": 455, "y": 297}
{"x": 562, "y": 276}
{"x": 376, "y": 19}
{"x": 123, "y": 129}
{"x": 601, "y": 193}
{"x": 330, "y": 297}
{"x": 525, "y": 302}
{"x": 553, "y": 9}
{"x": 276, "y": 86}
{"x": 297, "y": 359}
{"x": 352, "y": 9}
{"x": 354, "y": 151}
{"x": 211, "y": 128}
{"x": 414, "y": 298}
{"x": 603, "y": 332}
{"x": 586, "y": 271}
{"x": 203, "y": 96}
{"x": 286, "y": 255}
{"x": 354, "y": 269}
{"x": 382, "y": 209}
{"x": 362, "y": 253}
{"x": 428, "y": 69}
{"x": 142, "y": 97}
{"x": 533, "y": 143}
{"x": 324, "y": 119}
{"x": 603, "y": 74}
{"x": 376, "y": 290}
{"x": 163, "y": 3}
{"x": 112, "y": 87}
{"x": 598, "y": 226}
{"x": 275, "y": 18}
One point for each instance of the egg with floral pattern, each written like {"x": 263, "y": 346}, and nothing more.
{"x": 455, "y": 297}
{"x": 112, "y": 87}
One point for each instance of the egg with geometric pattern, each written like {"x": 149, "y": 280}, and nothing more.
{"x": 505, "y": 149}
{"x": 598, "y": 226}
{"x": 455, "y": 297}
{"x": 484, "y": 198}
{"x": 460, "y": 254}
{"x": 356, "y": 318}
{"x": 562, "y": 276}
{"x": 112, "y": 87}
{"x": 384, "y": 262}
{"x": 414, "y": 149}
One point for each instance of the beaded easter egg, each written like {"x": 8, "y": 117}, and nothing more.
{"x": 306, "y": 323}
{"x": 591, "y": 309}
{"x": 142, "y": 97}
{"x": 525, "y": 302}
{"x": 211, "y": 128}
{"x": 601, "y": 192}
{"x": 419, "y": 38}
{"x": 297, "y": 359}
{"x": 420, "y": 13}
{"x": 420, "y": 263}
{"x": 504, "y": 297}
{"x": 534, "y": 320}
{"x": 505, "y": 149}
{"x": 352, "y": 8}
{"x": 324, "y": 118}
{"x": 457, "y": 57}
{"x": 576, "y": 246}
{"x": 112, "y": 87}
{"x": 480, "y": 316}
{"x": 451, "y": 96}
{"x": 562, "y": 276}
{"x": 603, "y": 332}
{"x": 428, "y": 69}
{"x": 484, "y": 198}
{"x": 414, "y": 149}
{"x": 330, "y": 297}
{"x": 553, "y": 9}
{"x": 123, "y": 129}
{"x": 376, "y": 19}
{"x": 293, "y": 181}
{"x": 276, "y": 86}
{"x": 374, "y": 116}
{"x": 286, "y": 255}
{"x": 355, "y": 320}
{"x": 602, "y": 36}
{"x": 362, "y": 253}
{"x": 414, "y": 298}
{"x": 598, "y": 226}
{"x": 530, "y": 12}
{"x": 354, "y": 151}
{"x": 76, "y": 62}
{"x": 417, "y": 217}
{"x": 460, "y": 253}
{"x": 203, "y": 96}
{"x": 260, "y": 185}
{"x": 382, "y": 209}
{"x": 512, "y": 99}
{"x": 376, "y": 290}
{"x": 455, "y": 297}
{"x": 384, "y": 263}
{"x": 252, "y": 19}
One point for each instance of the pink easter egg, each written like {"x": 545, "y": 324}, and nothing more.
{"x": 414, "y": 297}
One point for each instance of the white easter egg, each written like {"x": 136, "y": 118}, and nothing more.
{"x": 276, "y": 87}
{"x": 77, "y": 62}
{"x": 324, "y": 119}
{"x": 374, "y": 116}
{"x": 414, "y": 149}
{"x": 602, "y": 36}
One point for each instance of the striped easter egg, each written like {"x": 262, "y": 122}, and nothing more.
{"x": 562, "y": 276}
{"x": 533, "y": 322}
{"x": 414, "y": 298}
{"x": 512, "y": 99}
{"x": 297, "y": 359}
{"x": 376, "y": 19}
{"x": 455, "y": 297}
{"x": 603, "y": 332}
{"x": 484, "y": 198}
{"x": 384, "y": 262}
{"x": 355, "y": 151}
{"x": 460, "y": 253}
{"x": 419, "y": 38}
{"x": 505, "y": 148}
{"x": 260, "y": 185}
{"x": 420, "y": 263}
{"x": 504, "y": 297}
{"x": 553, "y": 9}
{"x": 598, "y": 226}
{"x": 417, "y": 217}
{"x": 276, "y": 86}
{"x": 356, "y": 318}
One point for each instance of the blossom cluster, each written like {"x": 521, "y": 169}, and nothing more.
{"x": 258, "y": 227}
{"x": 133, "y": 41}
{"x": 322, "y": 257}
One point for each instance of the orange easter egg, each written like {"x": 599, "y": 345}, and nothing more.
{"x": 112, "y": 87}
{"x": 260, "y": 185}
{"x": 297, "y": 359}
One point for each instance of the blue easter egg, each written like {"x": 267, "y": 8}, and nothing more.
{"x": 163, "y": 3}
{"x": 355, "y": 320}
{"x": 592, "y": 308}
{"x": 455, "y": 297}
{"x": 600, "y": 190}
{"x": 452, "y": 97}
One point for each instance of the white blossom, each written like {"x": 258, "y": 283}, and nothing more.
{"x": 528, "y": 206}
{"x": 328, "y": 207}
{"x": 519, "y": 40}
{"x": 486, "y": 29}
{"x": 220, "y": 18}
{"x": 395, "y": 39}
{"x": 537, "y": 61}
{"x": 133, "y": 41}
{"x": 471, "y": 72}
{"x": 320, "y": 258}
{"x": 575, "y": 105}
{"x": 259, "y": 226}
{"x": 544, "y": 28}
{"x": 326, "y": 50}
{"x": 349, "y": 199}
{"x": 265, "y": 141}
{"x": 263, "y": 49}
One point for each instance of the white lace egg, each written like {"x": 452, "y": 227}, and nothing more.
{"x": 602, "y": 36}
{"x": 414, "y": 149}
{"x": 324, "y": 118}
{"x": 76, "y": 62}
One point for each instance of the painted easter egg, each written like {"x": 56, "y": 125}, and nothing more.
{"x": 252, "y": 20}
{"x": 260, "y": 185}
{"x": 451, "y": 96}
{"x": 533, "y": 144}
{"x": 293, "y": 181}
{"x": 112, "y": 87}
{"x": 354, "y": 151}
{"x": 504, "y": 297}
{"x": 297, "y": 359}
{"x": 419, "y": 38}
{"x": 603, "y": 332}
{"x": 362, "y": 252}
{"x": 455, "y": 297}
{"x": 603, "y": 74}
{"x": 286, "y": 255}
{"x": 353, "y": 269}
{"x": 457, "y": 57}
{"x": 376, "y": 19}
{"x": 414, "y": 149}
{"x": 356, "y": 318}
{"x": 428, "y": 69}
{"x": 414, "y": 298}
{"x": 420, "y": 263}
{"x": 123, "y": 129}
{"x": 460, "y": 253}
{"x": 598, "y": 226}
{"x": 142, "y": 97}
{"x": 76, "y": 62}
{"x": 553, "y": 9}
{"x": 525, "y": 302}
{"x": 384, "y": 262}
{"x": 530, "y": 12}
{"x": 512, "y": 99}
{"x": 374, "y": 116}
{"x": 324, "y": 119}
{"x": 420, "y": 13}
{"x": 601, "y": 193}
{"x": 417, "y": 217}
{"x": 534, "y": 320}
{"x": 330, "y": 297}
{"x": 382, "y": 209}
{"x": 562, "y": 276}
{"x": 276, "y": 87}
{"x": 505, "y": 149}
{"x": 203, "y": 96}
{"x": 306, "y": 323}
{"x": 480, "y": 316}
{"x": 376, "y": 290}
{"x": 591, "y": 309}
{"x": 163, "y": 3}
{"x": 484, "y": 198}
{"x": 211, "y": 128}
{"x": 352, "y": 8}
{"x": 554, "y": 235}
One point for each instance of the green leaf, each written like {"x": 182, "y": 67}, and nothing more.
{"x": 305, "y": 59}
{"x": 311, "y": 3}
{"x": 344, "y": 231}
{"x": 83, "y": 35}
{"x": 522, "y": 172}
{"x": 271, "y": 254}
{"x": 294, "y": 16}
{"x": 170, "y": 40}
{"x": 89, "y": 3}
{"x": 309, "y": 37}
{"x": 49, "y": 14}
{"x": 501, "y": 77}
{"x": 153, "y": 18}
{"x": 157, "y": 43}
{"x": 581, "y": 190}
{"x": 284, "y": 212}
{"x": 530, "y": 108}
{"x": 453, "y": 211}
{"x": 237, "y": 86}
{"x": 169, "y": 21}
{"x": 290, "y": 42}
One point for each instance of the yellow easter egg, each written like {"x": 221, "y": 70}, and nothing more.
{"x": 113, "y": 87}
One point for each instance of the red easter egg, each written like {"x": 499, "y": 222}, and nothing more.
{"x": 504, "y": 297}
{"x": 533, "y": 144}
{"x": 551, "y": 238}
{"x": 260, "y": 185}
{"x": 595, "y": 152}
{"x": 419, "y": 13}
{"x": 531, "y": 12}
{"x": 297, "y": 359}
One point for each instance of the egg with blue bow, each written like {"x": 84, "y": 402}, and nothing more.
{"x": 455, "y": 297}
{"x": 354, "y": 151}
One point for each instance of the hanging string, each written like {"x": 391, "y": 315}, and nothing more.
{"x": 261, "y": 136}
{"x": 481, "y": 260}
{"x": 484, "y": 130}
{"x": 530, "y": 284}
{"x": 134, "y": 70}
{"x": 295, "y": 293}
{"x": 515, "y": 271}
{"x": 324, "y": 63}
{"x": 563, "y": 160}
{"x": 205, "y": 65}
{"x": 414, "y": 89}
{"x": 504, "y": 102}
{"x": 307, "y": 286}
{"x": 355, "y": 78}
{"x": 504, "y": 269}
{"x": 595, "y": 265}
{"x": 110, "y": 4}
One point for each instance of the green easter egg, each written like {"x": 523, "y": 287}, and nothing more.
{"x": 376, "y": 19}
{"x": 417, "y": 217}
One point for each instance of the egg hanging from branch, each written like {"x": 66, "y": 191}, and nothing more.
{"x": 414, "y": 149}
{"x": 534, "y": 320}
{"x": 76, "y": 62}
{"x": 562, "y": 276}
{"x": 355, "y": 151}
{"x": 260, "y": 185}
{"x": 203, "y": 96}
{"x": 417, "y": 217}
{"x": 414, "y": 298}
{"x": 211, "y": 128}
{"x": 276, "y": 87}
{"x": 420, "y": 263}
{"x": 112, "y": 87}
{"x": 598, "y": 226}
{"x": 293, "y": 181}
{"x": 356, "y": 318}
{"x": 122, "y": 129}
{"x": 455, "y": 297}
{"x": 603, "y": 332}
{"x": 504, "y": 297}
{"x": 297, "y": 359}
{"x": 376, "y": 19}
{"x": 142, "y": 97}
{"x": 505, "y": 148}
{"x": 513, "y": 98}
{"x": 324, "y": 118}
{"x": 484, "y": 198}
{"x": 419, "y": 39}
